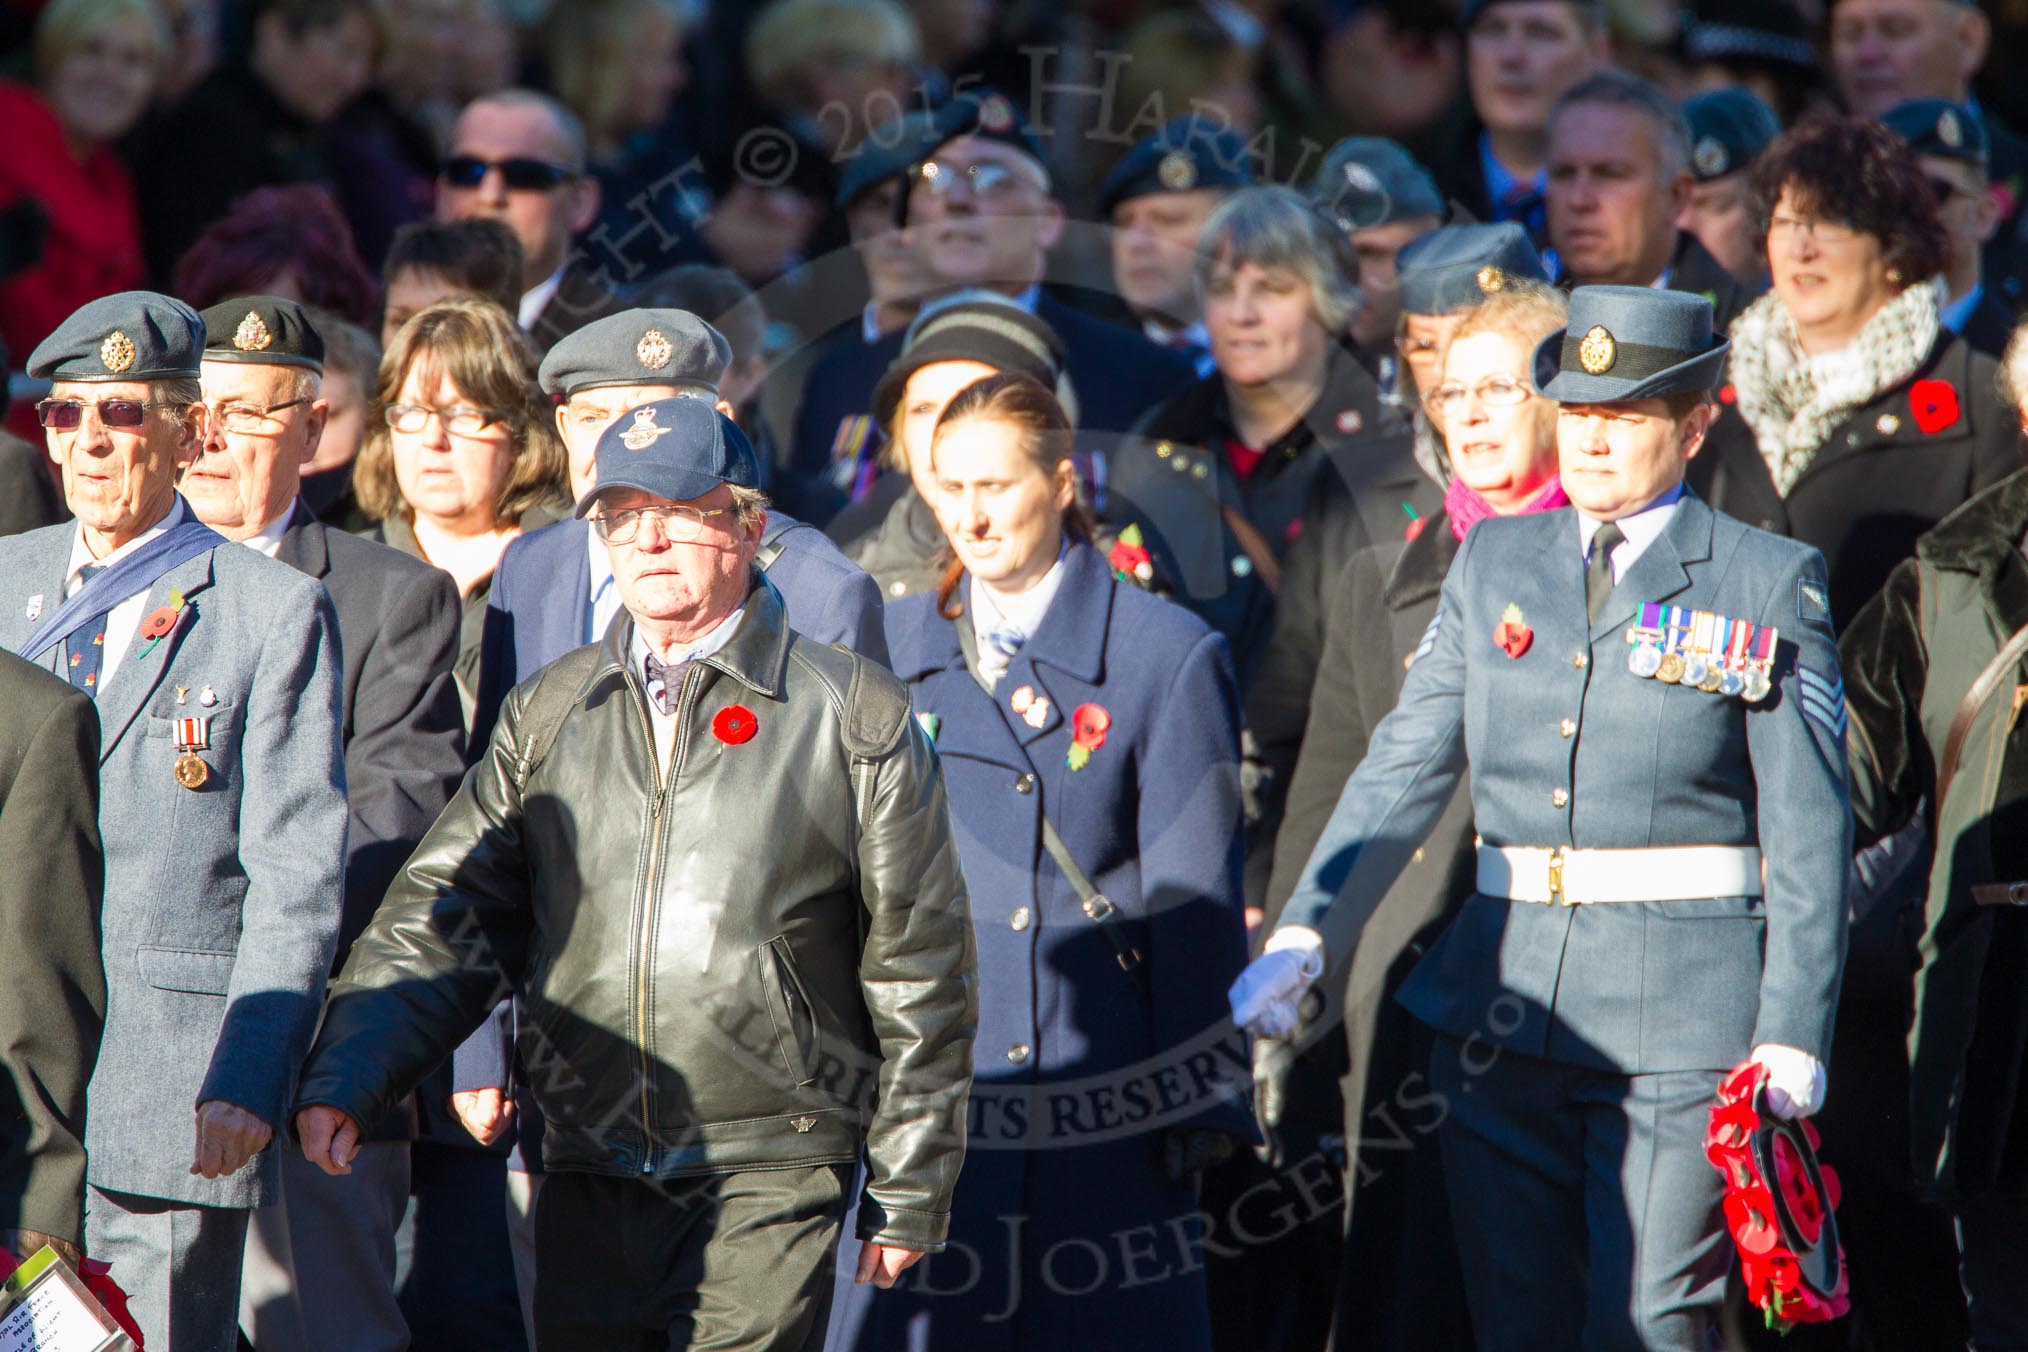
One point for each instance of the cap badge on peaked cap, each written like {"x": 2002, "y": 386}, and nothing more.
{"x": 252, "y": 334}
{"x": 654, "y": 351}
{"x": 117, "y": 352}
{"x": 1597, "y": 353}
{"x": 645, "y": 432}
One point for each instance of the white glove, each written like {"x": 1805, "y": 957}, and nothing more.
{"x": 1266, "y": 998}
{"x": 1795, "y": 1080}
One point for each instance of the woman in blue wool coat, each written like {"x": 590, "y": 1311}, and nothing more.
{"x": 1107, "y": 1072}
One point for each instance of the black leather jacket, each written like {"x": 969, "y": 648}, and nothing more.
{"x": 757, "y": 956}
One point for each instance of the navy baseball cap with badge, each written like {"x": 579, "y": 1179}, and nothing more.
{"x": 1186, "y": 154}
{"x": 1627, "y": 343}
{"x": 1369, "y": 181}
{"x": 1939, "y": 128}
{"x": 637, "y": 347}
{"x": 262, "y": 331}
{"x": 1728, "y": 129}
{"x": 1455, "y": 267}
{"x": 134, "y": 335}
{"x": 678, "y": 449}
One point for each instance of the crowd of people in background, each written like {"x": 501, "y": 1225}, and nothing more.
{"x": 1163, "y": 353}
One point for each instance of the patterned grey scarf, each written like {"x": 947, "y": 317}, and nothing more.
{"x": 1793, "y": 402}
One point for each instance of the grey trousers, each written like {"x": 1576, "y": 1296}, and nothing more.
{"x": 178, "y": 1264}
{"x": 738, "y": 1262}
{"x": 1587, "y": 1216}
{"x": 319, "y": 1269}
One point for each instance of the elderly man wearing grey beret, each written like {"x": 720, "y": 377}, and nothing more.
{"x": 216, "y": 675}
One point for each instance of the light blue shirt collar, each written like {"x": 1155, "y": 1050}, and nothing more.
{"x": 1641, "y": 528}
{"x": 1958, "y": 313}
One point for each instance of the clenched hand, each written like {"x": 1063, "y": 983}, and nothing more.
{"x": 227, "y": 1137}
{"x": 330, "y": 1138}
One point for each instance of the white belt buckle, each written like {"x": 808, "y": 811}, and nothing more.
{"x": 1556, "y": 896}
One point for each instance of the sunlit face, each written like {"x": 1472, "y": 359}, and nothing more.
{"x": 246, "y": 479}
{"x": 1421, "y": 346}
{"x": 682, "y": 582}
{"x": 346, "y": 406}
{"x": 923, "y": 400}
{"x": 1521, "y": 56}
{"x": 1154, "y": 244}
{"x": 1720, "y": 214}
{"x": 1615, "y": 459}
{"x": 581, "y": 419}
{"x": 1612, "y": 215}
{"x": 1503, "y": 451}
{"x": 120, "y": 482}
{"x": 1831, "y": 277}
{"x": 992, "y": 236}
{"x": 1263, "y": 323}
{"x": 100, "y": 90}
{"x": 542, "y": 219}
{"x": 1884, "y": 52}
{"x": 452, "y": 480}
{"x": 1001, "y": 509}
{"x": 1380, "y": 277}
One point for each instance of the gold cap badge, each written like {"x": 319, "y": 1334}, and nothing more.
{"x": 1948, "y": 129}
{"x": 117, "y": 352}
{"x": 1491, "y": 279}
{"x": 1709, "y": 157}
{"x": 654, "y": 350}
{"x": 644, "y": 433}
{"x": 1177, "y": 171}
{"x": 1597, "y": 353}
{"x": 252, "y": 334}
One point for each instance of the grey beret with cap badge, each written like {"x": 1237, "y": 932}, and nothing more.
{"x": 264, "y": 331}
{"x": 637, "y": 347}
{"x": 133, "y": 335}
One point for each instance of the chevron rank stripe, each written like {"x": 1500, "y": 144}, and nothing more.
{"x": 1823, "y": 700}
{"x": 1429, "y": 636}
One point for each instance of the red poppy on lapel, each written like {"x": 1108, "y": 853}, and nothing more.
{"x": 1512, "y": 632}
{"x": 734, "y": 724}
{"x": 159, "y": 622}
{"x": 1088, "y": 726}
{"x": 1934, "y": 404}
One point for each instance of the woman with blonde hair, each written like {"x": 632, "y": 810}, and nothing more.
{"x": 461, "y": 455}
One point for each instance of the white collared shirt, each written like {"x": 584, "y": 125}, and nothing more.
{"x": 605, "y": 592}
{"x": 1642, "y": 529}
{"x": 665, "y": 724}
{"x": 534, "y": 299}
{"x": 123, "y": 621}
{"x": 993, "y": 610}
{"x": 269, "y": 541}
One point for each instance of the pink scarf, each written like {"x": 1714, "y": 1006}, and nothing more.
{"x": 1467, "y": 509}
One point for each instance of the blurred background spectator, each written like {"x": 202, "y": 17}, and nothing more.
{"x": 432, "y": 260}
{"x": 351, "y": 365}
{"x": 289, "y": 242}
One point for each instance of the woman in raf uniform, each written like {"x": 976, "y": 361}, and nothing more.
{"x": 1066, "y": 703}
{"x": 1500, "y": 436}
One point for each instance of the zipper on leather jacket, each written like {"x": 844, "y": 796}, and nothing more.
{"x": 644, "y": 937}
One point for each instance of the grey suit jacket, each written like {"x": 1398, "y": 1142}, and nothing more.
{"x": 1568, "y": 748}
{"x": 222, "y": 903}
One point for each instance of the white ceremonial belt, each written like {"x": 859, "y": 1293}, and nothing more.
{"x": 1562, "y": 877}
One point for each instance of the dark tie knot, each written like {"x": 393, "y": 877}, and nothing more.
{"x": 665, "y": 682}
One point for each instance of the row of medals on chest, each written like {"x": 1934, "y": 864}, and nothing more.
{"x": 1680, "y": 646}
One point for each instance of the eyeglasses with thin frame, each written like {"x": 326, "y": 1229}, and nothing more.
{"x": 461, "y": 419}
{"x": 67, "y": 415}
{"x": 254, "y": 419}
{"x": 678, "y": 522}
{"x": 1821, "y": 231}
{"x": 984, "y": 179}
{"x": 521, "y": 173}
{"x": 1499, "y": 390}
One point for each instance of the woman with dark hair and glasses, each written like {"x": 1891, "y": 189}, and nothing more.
{"x": 462, "y": 454}
{"x": 1090, "y": 743}
{"x": 1853, "y": 420}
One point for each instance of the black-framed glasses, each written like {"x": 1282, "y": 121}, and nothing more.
{"x": 253, "y": 419}
{"x": 462, "y": 419}
{"x": 681, "y": 523}
{"x": 1499, "y": 390}
{"x": 67, "y": 415}
{"x": 521, "y": 173}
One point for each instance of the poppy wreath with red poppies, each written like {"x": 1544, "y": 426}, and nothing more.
{"x": 1774, "y": 1282}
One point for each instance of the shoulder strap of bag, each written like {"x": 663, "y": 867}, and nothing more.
{"x": 1983, "y": 688}
{"x": 1093, "y": 902}
{"x": 549, "y": 703}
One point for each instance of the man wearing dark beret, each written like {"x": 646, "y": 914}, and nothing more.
{"x": 1728, "y": 130}
{"x": 218, "y": 683}
{"x": 319, "y": 1268}
{"x": 1384, "y": 200}
{"x": 1158, "y": 198}
{"x": 1949, "y": 141}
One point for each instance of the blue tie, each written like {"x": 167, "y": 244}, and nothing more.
{"x": 86, "y": 645}
{"x": 1006, "y": 641}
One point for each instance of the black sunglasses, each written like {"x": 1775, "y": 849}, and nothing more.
{"x": 521, "y": 173}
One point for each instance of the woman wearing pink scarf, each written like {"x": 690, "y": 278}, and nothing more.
{"x": 1500, "y": 439}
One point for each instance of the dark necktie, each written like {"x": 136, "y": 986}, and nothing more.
{"x": 665, "y": 682}
{"x": 1598, "y": 574}
{"x": 85, "y": 645}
